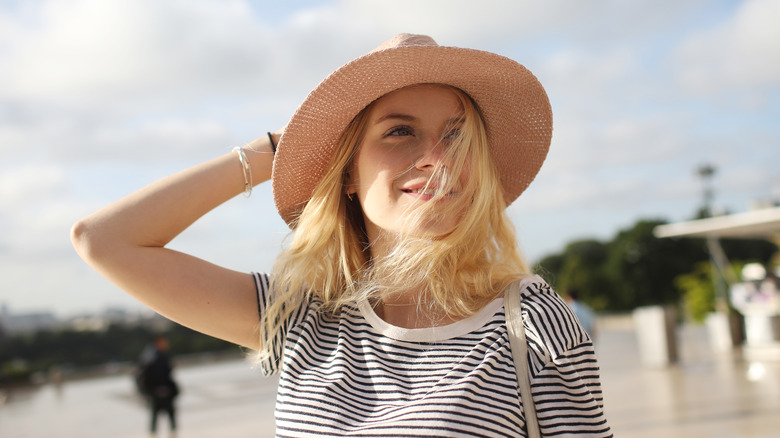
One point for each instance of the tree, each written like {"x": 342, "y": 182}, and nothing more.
{"x": 636, "y": 268}
{"x": 41, "y": 350}
{"x": 698, "y": 291}
{"x": 645, "y": 266}
{"x": 582, "y": 266}
{"x": 749, "y": 250}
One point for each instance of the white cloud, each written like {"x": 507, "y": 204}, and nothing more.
{"x": 505, "y": 23}
{"x": 741, "y": 53}
{"x": 90, "y": 49}
{"x": 100, "y": 98}
{"x": 64, "y": 286}
{"x": 163, "y": 139}
{"x": 589, "y": 144}
{"x": 582, "y": 76}
{"x": 30, "y": 182}
{"x": 562, "y": 191}
{"x": 85, "y": 138}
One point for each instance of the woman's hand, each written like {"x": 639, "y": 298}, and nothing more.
{"x": 260, "y": 155}
{"x": 125, "y": 242}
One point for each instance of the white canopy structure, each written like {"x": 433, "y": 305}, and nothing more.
{"x": 762, "y": 337}
{"x": 755, "y": 224}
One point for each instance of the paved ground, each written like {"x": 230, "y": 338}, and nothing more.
{"x": 704, "y": 395}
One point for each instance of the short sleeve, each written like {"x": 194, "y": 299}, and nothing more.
{"x": 565, "y": 376}
{"x": 270, "y": 363}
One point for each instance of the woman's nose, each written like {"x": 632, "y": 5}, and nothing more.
{"x": 432, "y": 153}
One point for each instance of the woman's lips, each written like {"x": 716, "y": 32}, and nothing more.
{"x": 424, "y": 193}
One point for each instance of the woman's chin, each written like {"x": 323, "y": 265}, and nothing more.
{"x": 433, "y": 230}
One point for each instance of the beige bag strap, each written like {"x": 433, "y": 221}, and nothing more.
{"x": 514, "y": 324}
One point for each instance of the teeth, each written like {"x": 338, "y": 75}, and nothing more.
{"x": 424, "y": 191}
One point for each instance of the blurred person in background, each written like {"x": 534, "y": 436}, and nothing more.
{"x": 584, "y": 313}
{"x": 156, "y": 383}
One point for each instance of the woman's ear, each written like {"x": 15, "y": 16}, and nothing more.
{"x": 350, "y": 185}
{"x": 350, "y": 191}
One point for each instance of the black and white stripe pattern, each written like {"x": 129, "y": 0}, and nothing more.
{"x": 341, "y": 376}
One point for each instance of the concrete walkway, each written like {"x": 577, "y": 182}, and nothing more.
{"x": 704, "y": 395}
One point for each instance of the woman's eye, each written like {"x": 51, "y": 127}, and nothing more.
{"x": 451, "y": 135}
{"x": 400, "y": 131}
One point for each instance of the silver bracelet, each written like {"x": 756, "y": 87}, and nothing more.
{"x": 247, "y": 170}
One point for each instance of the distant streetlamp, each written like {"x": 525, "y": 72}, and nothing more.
{"x": 706, "y": 172}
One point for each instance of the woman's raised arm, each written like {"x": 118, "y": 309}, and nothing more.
{"x": 125, "y": 242}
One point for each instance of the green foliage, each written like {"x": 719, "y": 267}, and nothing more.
{"x": 550, "y": 266}
{"x": 583, "y": 269}
{"x": 646, "y": 266}
{"x": 698, "y": 291}
{"x": 698, "y": 288}
{"x": 15, "y": 370}
{"x": 759, "y": 251}
{"x": 636, "y": 268}
{"x": 80, "y": 349}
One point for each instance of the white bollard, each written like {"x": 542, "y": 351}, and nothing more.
{"x": 657, "y": 335}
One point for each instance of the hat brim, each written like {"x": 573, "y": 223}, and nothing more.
{"x": 513, "y": 103}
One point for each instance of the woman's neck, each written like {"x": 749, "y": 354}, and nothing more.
{"x": 409, "y": 311}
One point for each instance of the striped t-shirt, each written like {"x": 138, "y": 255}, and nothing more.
{"x": 353, "y": 374}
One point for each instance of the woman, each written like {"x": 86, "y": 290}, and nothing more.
{"x": 384, "y": 316}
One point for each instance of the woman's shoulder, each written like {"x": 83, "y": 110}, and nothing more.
{"x": 551, "y": 326}
{"x": 536, "y": 292}
{"x": 533, "y": 284}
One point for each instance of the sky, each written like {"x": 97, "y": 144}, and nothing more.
{"x": 99, "y": 98}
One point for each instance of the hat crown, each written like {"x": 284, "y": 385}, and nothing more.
{"x": 406, "y": 40}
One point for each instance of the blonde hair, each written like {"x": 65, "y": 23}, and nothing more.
{"x": 459, "y": 269}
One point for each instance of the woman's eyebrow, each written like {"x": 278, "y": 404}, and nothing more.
{"x": 410, "y": 118}
{"x": 399, "y": 116}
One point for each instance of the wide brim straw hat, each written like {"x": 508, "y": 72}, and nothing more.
{"x": 513, "y": 103}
